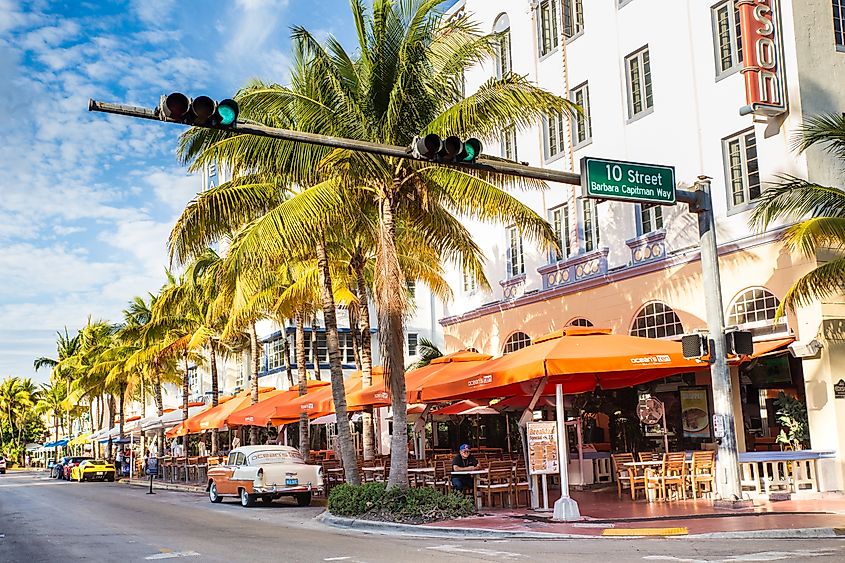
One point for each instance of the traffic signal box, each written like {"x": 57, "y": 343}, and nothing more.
{"x": 449, "y": 150}
{"x": 200, "y": 111}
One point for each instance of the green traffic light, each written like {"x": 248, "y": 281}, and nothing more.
{"x": 228, "y": 115}
{"x": 472, "y": 150}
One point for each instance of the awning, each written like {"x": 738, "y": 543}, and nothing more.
{"x": 332, "y": 418}
{"x": 80, "y": 440}
{"x": 261, "y": 412}
{"x": 579, "y": 358}
{"x": 460, "y": 408}
{"x": 766, "y": 347}
{"x": 170, "y": 418}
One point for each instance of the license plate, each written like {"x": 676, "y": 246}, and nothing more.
{"x": 291, "y": 481}
{"x": 99, "y": 473}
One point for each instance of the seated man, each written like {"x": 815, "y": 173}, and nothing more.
{"x": 464, "y": 461}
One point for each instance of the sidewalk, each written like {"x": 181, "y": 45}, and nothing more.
{"x": 606, "y": 515}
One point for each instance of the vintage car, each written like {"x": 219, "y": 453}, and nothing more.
{"x": 265, "y": 472}
{"x": 93, "y": 470}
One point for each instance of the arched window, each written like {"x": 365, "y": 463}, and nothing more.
{"x": 656, "y": 320}
{"x": 517, "y": 341}
{"x": 503, "y": 45}
{"x": 579, "y": 321}
{"x": 754, "y": 310}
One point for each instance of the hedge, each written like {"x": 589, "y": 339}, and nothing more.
{"x": 375, "y": 501}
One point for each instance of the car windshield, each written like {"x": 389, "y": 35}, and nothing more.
{"x": 274, "y": 456}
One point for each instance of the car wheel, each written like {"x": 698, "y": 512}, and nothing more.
{"x": 247, "y": 499}
{"x": 213, "y": 495}
{"x": 303, "y": 499}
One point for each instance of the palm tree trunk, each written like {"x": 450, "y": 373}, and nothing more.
{"x": 315, "y": 356}
{"x": 122, "y": 406}
{"x": 390, "y": 292}
{"x": 344, "y": 434}
{"x": 111, "y": 425}
{"x": 256, "y": 365}
{"x": 56, "y": 432}
{"x": 215, "y": 390}
{"x": 366, "y": 357}
{"x": 159, "y": 400}
{"x": 302, "y": 372}
{"x": 185, "y": 391}
{"x": 288, "y": 368}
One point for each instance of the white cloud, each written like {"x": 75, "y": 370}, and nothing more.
{"x": 173, "y": 188}
{"x": 153, "y": 12}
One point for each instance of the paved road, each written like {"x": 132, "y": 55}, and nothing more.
{"x": 46, "y": 520}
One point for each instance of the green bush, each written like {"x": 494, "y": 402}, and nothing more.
{"x": 375, "y": 501}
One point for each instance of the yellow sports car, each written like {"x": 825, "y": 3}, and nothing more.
{"x": 93, "y": 470}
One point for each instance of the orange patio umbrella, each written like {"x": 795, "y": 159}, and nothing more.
{"x": 261, "y": 412}
{"x": 374, "y": 395}
{"x": 315, "y": 403}
{"x": 217, "y": 417}
{"x": 465, "y": 407}
{"x": 577, "y": 357}
{"x": 444, "y": 368}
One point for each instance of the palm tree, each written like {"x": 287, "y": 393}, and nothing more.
{"x": 51, "y": 400}
{"x": 817, "y": 214}
{"x": 427, "y": 351}
{"x": 18, "y": 397}
{"x": 66, "y": 346}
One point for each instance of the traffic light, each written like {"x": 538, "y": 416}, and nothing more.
{"x": 450, "y": 150}
{"x": 200, "y": 111}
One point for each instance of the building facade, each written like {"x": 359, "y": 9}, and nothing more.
{"x": 662, "y": 81}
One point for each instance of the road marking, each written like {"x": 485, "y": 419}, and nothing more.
{"x": 487, "y": 552}
{"x": 173, "y": 555}
{"x": 336, "y": 558}
{"x": 760, "y": 556}
{"x": 645, "y": 532}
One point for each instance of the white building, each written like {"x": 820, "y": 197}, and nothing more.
{"x": 660, "y": 82}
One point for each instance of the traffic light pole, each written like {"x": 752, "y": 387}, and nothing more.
{"x": 699, "y": 202}
{"x": 483, "y": 164}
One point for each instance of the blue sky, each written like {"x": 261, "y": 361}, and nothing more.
{"x": 87, "y": 200}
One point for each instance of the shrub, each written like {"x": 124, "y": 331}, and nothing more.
{"x": 375, "y": 501}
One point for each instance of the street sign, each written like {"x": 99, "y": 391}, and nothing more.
{"x": 628, "y": 181}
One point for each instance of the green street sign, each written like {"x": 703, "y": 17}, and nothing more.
{"x": 628, "y": 181}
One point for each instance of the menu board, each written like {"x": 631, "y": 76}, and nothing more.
{"x": 542, "y": 448}
{"x": 695, "y": 413}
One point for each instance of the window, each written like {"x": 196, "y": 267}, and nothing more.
{"x": 516, "y": 265}
{"x": 412, "y": 289}
{"x": 573, "y": 18}
{"x": 553, "y": 132}
{"x": 517, "y": 341}
{"x": 651, "y": 219}
{"x": 656, "y": 320}
{"x": 193, "y": 378}
{"x": 591, "y": 225}
{"x": 839, "y": 23}
{"x": 276, "y": 358}
{"x": 509, "y": 143}
{"x": 470, "y": 285}
{"x": 579, "y": 322}
{"x": 582, "y": 133}
{"x": 412, "y": 344}
{"x": 503, "y": 46}
{"x": 755, "y": 309}
{"x": 638, "y": 69}
{"x": 727, "y": 37}
{"x": 561, "y": 226}
{"x": 548, "y": 27}
{"x": 742, "y": 172}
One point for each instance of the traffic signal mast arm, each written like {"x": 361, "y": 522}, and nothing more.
{"x": 501, "y": 167}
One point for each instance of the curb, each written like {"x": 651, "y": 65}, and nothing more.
{"x": 164, "y": 486}
{"x": 370, "y": 526}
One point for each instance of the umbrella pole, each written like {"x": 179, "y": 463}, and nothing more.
{"x": 566, "y": 509}
{"x": 508, "y": 430}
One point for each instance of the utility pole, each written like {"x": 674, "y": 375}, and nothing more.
{"x": 699, "y": 202}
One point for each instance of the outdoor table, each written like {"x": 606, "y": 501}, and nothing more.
{"x": 374, "y": 469}
{"x": 474, "y": 482}
{"x": 415, "y": 472}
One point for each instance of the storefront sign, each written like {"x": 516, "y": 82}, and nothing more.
{"x": 718, "y": 426}
{"x": 542, "y": 448}
{"x": 839, "y": 389}
{"x": 695, "y": 413}
{"x": 763, "y": 70}
{"x": 628, "y": 181}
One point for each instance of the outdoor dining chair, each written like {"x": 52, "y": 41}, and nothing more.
{"x": 649, "y": 456}
{"x": 496, "y": 482}
{"x": 627, "y": 477}
{"x": 702, "y": 476}
{"x": 520, "y": 484}
{"x": 672, "y": 474}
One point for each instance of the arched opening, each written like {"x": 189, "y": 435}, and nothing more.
{"x": 516, "y": 341}
{"x": 656, "y": 320}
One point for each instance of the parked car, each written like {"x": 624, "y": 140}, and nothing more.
{"x": 265, "y": 472}
{"x": 71, "y": 463}
{"x": 58, "y": 470}
{"x": 2, "y": 465}
{"x": 93, "y": 470}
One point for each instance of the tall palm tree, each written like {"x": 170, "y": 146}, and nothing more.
{"x": 817, "y": 214}
{"x": 51, "y": 400}
{"x": 427, "y": 351}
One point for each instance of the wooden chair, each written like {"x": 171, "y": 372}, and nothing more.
{"x": 649, "y": 456}
{"x": 496, "y": 482}
{"x": 703, "y": 473}
{"x": 672, "y": 474}
{"x": 520, "y": 484}
{"x": 627, "y": 477}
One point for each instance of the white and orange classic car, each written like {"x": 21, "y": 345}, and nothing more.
{"x": 265, "y": 472}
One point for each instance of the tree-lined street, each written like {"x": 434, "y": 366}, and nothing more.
{"x": 48, "y": 520}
